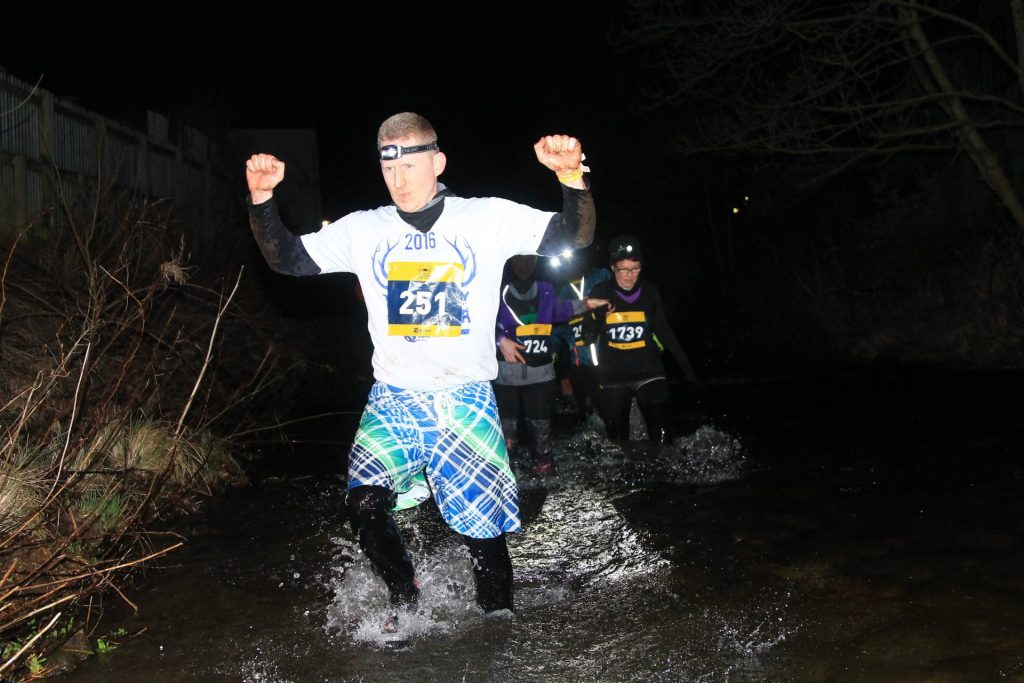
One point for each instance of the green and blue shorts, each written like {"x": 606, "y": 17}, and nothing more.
{"x": 448, "y": 441}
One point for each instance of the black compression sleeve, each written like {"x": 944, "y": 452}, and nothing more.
{"x": 574, "y": 227}
{"x": 282, "y": 250}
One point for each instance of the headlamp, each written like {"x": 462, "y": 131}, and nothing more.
{"x": 392, "y": 152}
{"x": 565, "y": 256}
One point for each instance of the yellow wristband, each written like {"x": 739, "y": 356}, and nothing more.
{"x": 571, "y": 177}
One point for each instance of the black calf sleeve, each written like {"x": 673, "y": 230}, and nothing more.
{"x": 510, "y": 428}
{"x": 370, "y": 515}
{"x": 613, "y": 404}
{"x": 652, "y": 398}
{"x": 492, "y": 570}
{"x": 540, "y": 438}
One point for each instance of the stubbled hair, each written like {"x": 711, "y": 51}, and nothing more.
{"x": 404, "y": 125}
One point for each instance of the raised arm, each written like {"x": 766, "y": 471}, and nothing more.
{"x": 282, "y": 250}
{"x": 574, "y": 227}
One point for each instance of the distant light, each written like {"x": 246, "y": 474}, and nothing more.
{"x": 735, "y": 209}
{"x": 324, "y": 224}
{"x": 746, "y": 198}
{"x": 567, "y": 254}
{"x": 555, "y": 261}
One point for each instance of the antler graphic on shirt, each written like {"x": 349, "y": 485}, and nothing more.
{"x": 468, "y": 259}
{"x": 380, "y": 267}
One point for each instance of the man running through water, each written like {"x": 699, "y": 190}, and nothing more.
{"x": 430, "y": 268}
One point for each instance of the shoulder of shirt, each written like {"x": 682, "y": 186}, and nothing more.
{"x": 388, "y": 210}
{"x": 380, "y": 212}
{"x": 487, "y": 200}
{"x": 468, "y": 201}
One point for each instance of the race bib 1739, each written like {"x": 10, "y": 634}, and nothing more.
{"x": 626, "y": 330}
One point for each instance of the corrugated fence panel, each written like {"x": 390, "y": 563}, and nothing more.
{"x": 161, "y": 172}
{"x": 74, "y": 142}
{"x": 20, "y": 129}
{"x": 69, "y": 199}
{"x": 193, "y": 183}
{"x": 52, "y": 150}
{"x": 38, "y": 200}
{"x": 6, "y": 194}
{"x": 119, "y": 157}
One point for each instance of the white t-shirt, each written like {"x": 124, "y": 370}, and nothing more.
{"x": 431, "y": 298}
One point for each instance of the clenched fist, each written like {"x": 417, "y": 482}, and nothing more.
{"x": 263, "y": 172}
{"x": 560, "y": 153}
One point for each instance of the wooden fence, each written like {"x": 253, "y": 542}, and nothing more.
{"x": 53, "y": 151}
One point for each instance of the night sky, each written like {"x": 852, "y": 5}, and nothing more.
{"x": 494, "y": 78}
{"x": 491, "y": 78}
{"x": 491, "y": 84}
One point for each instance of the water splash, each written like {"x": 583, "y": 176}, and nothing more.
{"x": 706, "y": 457}
{"x": 710, "y": 456}
{"x": 360, "y": 606}
{"x": 580, "y": 539}
{"x": 580, "y": 543}
{"x": 754, "y": 641}
{"x": 579, "y": 553}
{"x": 260, "y": 671}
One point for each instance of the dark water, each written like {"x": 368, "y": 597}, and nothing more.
{"x": 802, "y": 529}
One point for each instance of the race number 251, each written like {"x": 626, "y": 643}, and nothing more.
{"x": 425, "y": 299}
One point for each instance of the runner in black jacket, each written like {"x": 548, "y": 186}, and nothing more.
{"x": 633, "y": 334}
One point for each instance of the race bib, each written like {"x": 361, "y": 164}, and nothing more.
{"x": 425, "y": 299}
{"x": 576, "y": 325}
{"x": 536, "y": 341}
{"x": 626, "y": 330}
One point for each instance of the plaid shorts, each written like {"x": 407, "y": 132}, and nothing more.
{"x": 449, "y": 441}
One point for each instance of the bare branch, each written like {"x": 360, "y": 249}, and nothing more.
{"x": 845, "y": 80}
{"x": 209, "y": 352}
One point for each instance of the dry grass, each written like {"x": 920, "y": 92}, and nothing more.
{"x": 110, "y": 409}
{"x": 22, "y": 489}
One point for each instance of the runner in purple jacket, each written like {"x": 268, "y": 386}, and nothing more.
{"x": 525, "y": 385}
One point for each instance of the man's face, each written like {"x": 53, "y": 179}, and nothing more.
{"x": 412, "y": 178}
{"x": 627, "y": 272}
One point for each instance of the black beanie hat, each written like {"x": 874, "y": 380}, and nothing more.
{"x": 625, "y": 247}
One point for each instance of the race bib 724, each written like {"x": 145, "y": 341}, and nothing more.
{"x": 534, "y": 339}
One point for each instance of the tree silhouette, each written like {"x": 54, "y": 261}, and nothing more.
{"x": 839, "y": 80}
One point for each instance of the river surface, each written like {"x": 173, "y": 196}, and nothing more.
{"x": 839, "y": 528}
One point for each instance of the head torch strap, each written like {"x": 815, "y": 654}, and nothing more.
{"x": 390, "y": 152}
